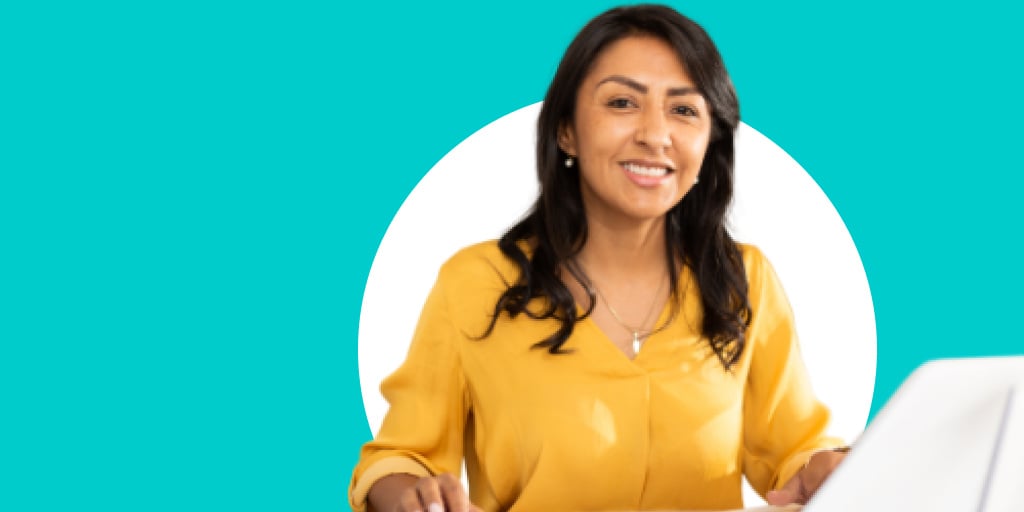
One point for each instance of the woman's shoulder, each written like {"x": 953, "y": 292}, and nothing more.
{"x": 486, "y": 250}
{"x": 754, "y": 261}
{"x": 761, "y": 276}
{"x": 472, "y": 280}
{"x": 751, "y": 254}
{"x": 479, "y": 264}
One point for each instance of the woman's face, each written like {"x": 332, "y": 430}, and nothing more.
{"x": 640, "y": 132}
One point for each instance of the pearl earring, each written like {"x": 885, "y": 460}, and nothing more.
{"x": 568, "y": 162}
{"x": 696, "y": 180}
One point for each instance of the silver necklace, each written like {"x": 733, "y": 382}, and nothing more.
{"x": 639, "y": 334}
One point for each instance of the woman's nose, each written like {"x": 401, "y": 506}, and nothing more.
{"x": 652, "y": 131}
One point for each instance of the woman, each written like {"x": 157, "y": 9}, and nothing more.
{"x": 616, "y": 349}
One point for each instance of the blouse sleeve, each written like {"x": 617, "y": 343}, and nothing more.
{"x": 422, "y": 432}
{"x": 784, "y": 424}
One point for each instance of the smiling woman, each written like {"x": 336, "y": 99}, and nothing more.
{"x": 640, "y": 132}
{"x": 616, "y": 349}
{"x": 638, "y": 118}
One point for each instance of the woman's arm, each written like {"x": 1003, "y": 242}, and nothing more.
{"x": 784, "y": 423}
{"x": 422, "y": 434}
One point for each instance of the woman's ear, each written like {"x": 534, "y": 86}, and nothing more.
{"x": 567, "y": 140}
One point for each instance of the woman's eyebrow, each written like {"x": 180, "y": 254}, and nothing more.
{"x": 683, "y": 91}
{"x": 628, "y": 82}
{"x": 641, "y": 88}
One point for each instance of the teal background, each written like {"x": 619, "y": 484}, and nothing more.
{"x": 191, "y": 195}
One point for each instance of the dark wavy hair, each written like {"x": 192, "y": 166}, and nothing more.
{"x": 556, "y": 229}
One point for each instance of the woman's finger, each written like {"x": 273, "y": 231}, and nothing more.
{"x": 409, "y": 501}
{"x": 795, "y": 491}
{"x": 454, "y": 495}
{"x": 430, "y": 494}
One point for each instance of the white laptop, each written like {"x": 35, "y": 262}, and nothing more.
{"x": 950, "y": 439}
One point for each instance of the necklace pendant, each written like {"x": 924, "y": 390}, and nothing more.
{"x": 636, "y": 342}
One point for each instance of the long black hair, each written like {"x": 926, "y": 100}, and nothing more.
{"x": 695, "y": 231}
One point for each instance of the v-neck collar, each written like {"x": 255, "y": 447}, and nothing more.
{"x": 595, "y": 337}
{"x": 600, "y": 340}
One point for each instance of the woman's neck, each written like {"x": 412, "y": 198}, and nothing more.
{"x": 618, "y": 251}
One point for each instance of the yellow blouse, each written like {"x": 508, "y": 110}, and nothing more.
{"x": 593, "y": 430}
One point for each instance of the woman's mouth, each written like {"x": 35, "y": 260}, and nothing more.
{"x": 653, "y": 172}
{"x": 646, "y": 175}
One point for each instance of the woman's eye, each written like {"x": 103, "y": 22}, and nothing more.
{"x": 684, "y": 110}
{"x": 620, "y": 103}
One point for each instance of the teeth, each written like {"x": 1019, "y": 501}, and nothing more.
{"x": 646, "y": 171}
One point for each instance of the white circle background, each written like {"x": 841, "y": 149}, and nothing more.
{"x": 488, "y": 181}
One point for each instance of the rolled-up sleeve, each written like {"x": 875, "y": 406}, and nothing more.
{"x": 784, "y": 423}
{"x": 422, "y": 433}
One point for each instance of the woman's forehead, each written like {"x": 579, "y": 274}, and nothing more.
{"x": 646, "y": 60}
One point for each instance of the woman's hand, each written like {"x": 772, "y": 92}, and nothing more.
{"x": 407, "y": 493}
{"x": 806, "y": 482}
